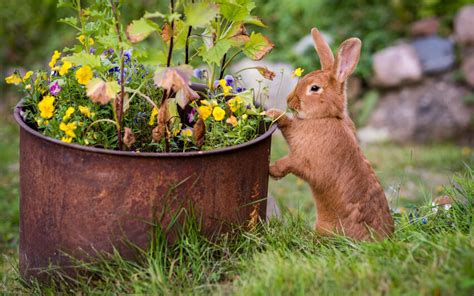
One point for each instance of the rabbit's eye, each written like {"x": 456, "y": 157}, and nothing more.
{"x": 315, "y": 88}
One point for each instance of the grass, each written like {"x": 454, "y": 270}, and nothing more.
{"x": 285, "y": 257}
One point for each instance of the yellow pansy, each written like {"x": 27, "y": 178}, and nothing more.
{"x": 244, "y": 117}
{"x": 205, "y": 111}
{"x": 28, "y": 87}
{"x": 66, "y": 139}
{"x": 232, "y": 121}
{"x": 187, "y": 132}
{"x": 218, "y": 113}
{"x": 68, "y": 128}
{"x": 82, "y": 39}
{"x": 65, "y": 68}
{"x": 46, "y": 107}
{"x": 54, "y": 58}
{"x": 298, "y": 72}
{"x": 226, "y": 89}
{"x": 85, "y": 111}
{"x": 13, "y": 79}
{"x": 68, "y": 113}
{"x": 84, "y": 75}
{"x": 235, "y": 103}
{"x": 153, "y": 115}
{"x": 27, "y": 75}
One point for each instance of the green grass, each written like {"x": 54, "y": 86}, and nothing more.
{"x": 285, "y": 257}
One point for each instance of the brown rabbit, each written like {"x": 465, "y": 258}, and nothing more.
{"x": 324, "y": 150}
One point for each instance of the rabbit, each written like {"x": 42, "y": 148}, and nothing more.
{"x": 324, "y": 150}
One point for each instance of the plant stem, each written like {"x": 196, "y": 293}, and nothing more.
{"x": 170, "y": 50}
{"x": 222, "y": 66}
{"x": 119, "y": 104}
{"x": 186, "y": 59}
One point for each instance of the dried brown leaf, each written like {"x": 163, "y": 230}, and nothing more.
{"x": 178, "y": 80}
{"x": 166, "y": 33}
{"x": 102, "y": 92}
{"x": 159, "y": 131}
{"x": 266, "y": 73}
{"x": 199, "y": 132}
{"x": 128, "y": 137}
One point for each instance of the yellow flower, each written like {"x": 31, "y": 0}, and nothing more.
{"x": 205, "y": 111}
{"x": 27, "y": 75}
{"x": 244, "y": 117}
{"x": 232, "y": 120}
{"x": 54, "y": 58}
{"x": 68, "y": 129}
{"x": 235, "y": 103}
{"x": 226, "y": 89}
{"x": 85, "y": 111}
{"x": 13, "y": 79}
{"x": 82, "y": 39}
{"x": 187, "y": 132}
{"x": 68, "y": 113}
{"x": 46, "y": 107}
{"x": 28, "y": 87}
{"x": 298, "y": 72}
{"x": 66, "y": 139}
{"x": 153, "y": 115}
{"x": 65, "y": 68}
{"x": 218, "y": 113}
{"x": 84, "y": 75}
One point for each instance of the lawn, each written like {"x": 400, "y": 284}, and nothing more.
{"x": 430, "y": 253}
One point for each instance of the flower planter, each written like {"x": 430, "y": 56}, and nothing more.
{"x": 80, "y": 200}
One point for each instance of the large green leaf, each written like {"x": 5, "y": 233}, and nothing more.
{"x": 215, "y": 54}
{"x": 258, "y": 46}
{"x": 82, "y": 59}
{"x": 199, "y": 14}
{"x": 139, "y": 30}
{"x": 234, "y": 12}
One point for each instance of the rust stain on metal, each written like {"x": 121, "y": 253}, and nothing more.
{"x": 80, "y": 200}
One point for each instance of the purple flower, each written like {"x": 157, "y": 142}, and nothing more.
{"x": 229, "y": 80}
{"x": 128, "y": 55}
{"x": 216, "y": 84}
{"x": 92, "y": 50}
{"x": 55, "y": 88}
{"x": 108, "y": 51}
{"x": 114, "y": 69}
{"x": 198, "y": 73}
{"x": 191, "y": 115}
{"x": 240, "y": 89}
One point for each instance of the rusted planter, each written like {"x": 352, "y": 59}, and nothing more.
{"x": 78, "y": 200}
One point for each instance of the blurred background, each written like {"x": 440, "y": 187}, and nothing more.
{"x": 411, "y": 97}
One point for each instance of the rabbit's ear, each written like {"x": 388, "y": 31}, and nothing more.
{"x": 347, "y": 59}
{"x": 322, "y": 48}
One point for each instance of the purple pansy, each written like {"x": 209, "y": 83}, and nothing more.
{"x": 198, "y": 73}
{"x": 191, "y": 115}
{"x": 240, "y": 89}
{"x": 229, "y": 80}
{"x": 55, "y": 88}
{"x": 127, "y": 55}
{"x": 216, "y": 84}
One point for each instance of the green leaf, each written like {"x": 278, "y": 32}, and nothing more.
{"x": 234, "y": 12}
{"x": 215, "y": 54}
{"x": 200, "y": 14}
{"x": 82, "y": 59}
{"x": 156, "y": 14}
{"x": 139, "y": 30}
{"x": 72, "y": 21}
{"x": 254, "y": 20}
{"x": 258, "y": 46}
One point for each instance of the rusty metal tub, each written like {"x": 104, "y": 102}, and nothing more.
{"x": 78, "y": 200}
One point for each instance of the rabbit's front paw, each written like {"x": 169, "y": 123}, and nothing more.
{"x": 274, "y": 114}
{"x": 275, "y": 172}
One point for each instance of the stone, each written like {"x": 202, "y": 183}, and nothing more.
{"x": 464, "y": 25}
{"x": 395, "y": 65}
{"x": 425, "y": 27}
{"x": 468, "y": 69}
{"x": 432, "y": 110}
{"x": 436, "y": 54}
{"x": 277, "y": 89}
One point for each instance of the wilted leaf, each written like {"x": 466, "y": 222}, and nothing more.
{"x": 200, "y": 13}
{"x": 199, "y": 132}
{"x": 239, "y": 36}
{"x": 258, "y": 46}
{"x": 82, "y": 58}
{"x": 128, "y": 138}
{"x": 159, "y": 131}
{"x": 177, "y": 79}
{"x": 215, "y": 54}
{"x": 139, "y": 30}
{"x": 102, "y": 92}
{"x": 166, "y": 33}
{"x": 266, "y": 73}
